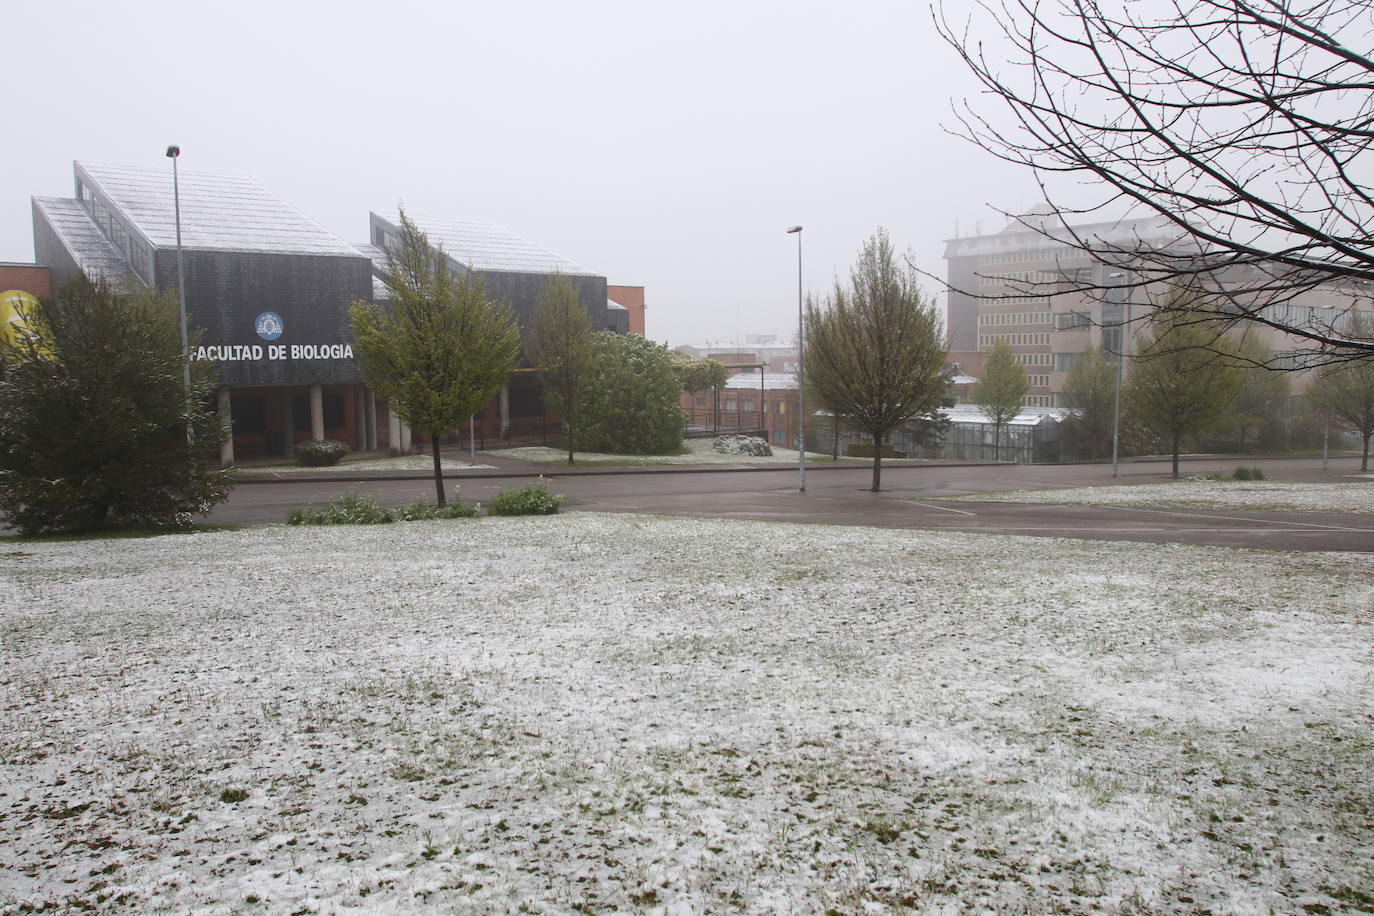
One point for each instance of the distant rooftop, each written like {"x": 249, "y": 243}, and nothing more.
{"x": 772, "y": 381}
{"x": 486, "y": 246}
{"x": 218, "y": 212}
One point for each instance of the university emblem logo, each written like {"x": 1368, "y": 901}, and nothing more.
{"x": 269, "y": 325}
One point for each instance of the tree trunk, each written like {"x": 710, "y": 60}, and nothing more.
{"x": 877, "y": 461}
{"x": 1364, "y": 460}
{"x": 835, "y": 446}
{"x": 438, "y": 472}
{"x": 568, "y": 431}
{"x": 1176, "y": 438}
{"x": 997, "y": 442}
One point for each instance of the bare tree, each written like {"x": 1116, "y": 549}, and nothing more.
{"x": 875, "y": 350}
{"x": 1240, "y": 129}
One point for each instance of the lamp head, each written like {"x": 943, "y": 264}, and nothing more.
{"x": 794, "y": 229}
{"x": 173, "y": 152}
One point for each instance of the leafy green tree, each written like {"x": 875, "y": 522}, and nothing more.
{"x": 1090, "y": 393}
{"x": 1263, "y": 392}
{"x": 1001, "y": 391}
{"x": 1346, "y": 392}
{"x": 94, "y": 416}
{"x": 697, "y": 374}
{"x": 559, "y": 343}
{"x": 439, "y": 350}
{"x": 874, "y": 353}
{"x": 1179, "y": 384}
{"x": 630, "y": 403}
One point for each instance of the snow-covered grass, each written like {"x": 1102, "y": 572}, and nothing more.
{"x": 606, "y": 713}
{"x": 1258, "y": 496}
{"x": 694, "y": 451}
{"x": 399, "y": 463}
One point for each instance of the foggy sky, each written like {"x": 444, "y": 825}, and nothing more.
{"x": 664, "y": 147}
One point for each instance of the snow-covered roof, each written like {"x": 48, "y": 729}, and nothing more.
{"x": 218, "y": 212}
{"x": 612, "y": 305}
{"x": 482, "y": 245}
{"x": 962, "y": 380}
{"x": 89, "y": 248}
{"x": 1029, "y": 416}
{"x": 772, "y": 381}
{"x": 374, "y": 254}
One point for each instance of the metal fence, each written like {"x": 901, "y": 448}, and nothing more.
{"x": 963, "y": 441}
{"x": 707, "y": 421}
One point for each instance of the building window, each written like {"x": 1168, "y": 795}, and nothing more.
{"x": 701, "y": 402}
{"x": 140, "y": 259}
{"x": 1064, "y": 362}
{"x": 779, "y": 437}
{"x": 746, "y": 406}
{"x": 729, "y": 403}
{"x": 1068, "y": 321}
{"x": 781, "y": 408}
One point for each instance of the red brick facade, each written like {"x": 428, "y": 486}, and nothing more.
{"x": 27, "y": 277}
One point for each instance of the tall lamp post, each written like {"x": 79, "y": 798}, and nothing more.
{"x": 1123, "y": 324}
{"x": 173, "y": 153}
{"x": 801, "y": 370}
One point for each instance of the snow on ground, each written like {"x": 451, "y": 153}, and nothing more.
{"x": 596, "y": 713}
{"x": 697, "y": 451}
{"x": 399, "y": 463}
{"x": 1258, "y": 496}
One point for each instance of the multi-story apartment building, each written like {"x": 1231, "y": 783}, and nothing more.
{"x": 1026, "y": 283}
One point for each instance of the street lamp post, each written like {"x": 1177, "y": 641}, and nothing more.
{"x": 1123, "y": 324}
{"x": 801, "y": 370}
{"x": 173, "y": 153}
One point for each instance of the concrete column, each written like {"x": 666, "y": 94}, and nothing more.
{"x": 359, "y": 418}
{"x": 371, "y": 418}
{"x": 505, "y": 410}
{"x": 288, "y": 419}
{"x": 226, "y": 419}
{"x": 394, "y": 433}
{"x": 317, "y": 412}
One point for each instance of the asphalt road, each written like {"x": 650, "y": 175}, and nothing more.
{"x": 915, "y": 497}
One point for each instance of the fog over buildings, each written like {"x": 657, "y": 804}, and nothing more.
{"x": 665, "y": 148}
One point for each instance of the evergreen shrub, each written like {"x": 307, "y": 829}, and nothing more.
{"x": 322, "y": 454}
{"x": 531, "y": 499}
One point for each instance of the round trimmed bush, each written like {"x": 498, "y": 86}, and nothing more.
{"x": 322, "y": 454}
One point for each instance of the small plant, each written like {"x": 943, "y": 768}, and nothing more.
{"x": 531, "y": 499}
{"x": 322, "y": 454}
{"x": 349, "y": 509}
{"x": 1244, "y": 473}
{"x": 233, "y": 795}
{"x": 419, "y": 512}
{"x": 362, "y": 509}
